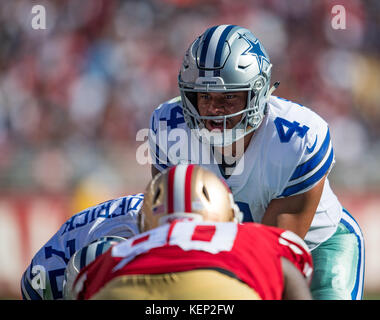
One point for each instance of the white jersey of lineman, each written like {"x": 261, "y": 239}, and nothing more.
{"x": 43, "y": 279}
{"x": 289, "y": 153}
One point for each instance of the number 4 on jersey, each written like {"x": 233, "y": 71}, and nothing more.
{"x": 291, "y": 127}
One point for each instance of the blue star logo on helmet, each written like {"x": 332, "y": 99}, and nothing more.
{"x": 256, "y": 50}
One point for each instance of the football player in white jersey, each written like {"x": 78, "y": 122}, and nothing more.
{"x": 193, "y": 246}
{"x": 274, "y": 154}
{"x": 44, "y": 278}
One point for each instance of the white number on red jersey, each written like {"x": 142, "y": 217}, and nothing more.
{"x": 211, "y": 238}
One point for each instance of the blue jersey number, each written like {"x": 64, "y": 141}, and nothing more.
{"x": 244, "y": 207}
{"x": 291, "y": 128}
{"x": 176, "y": 118}
{"x": 54, "y": 274}
{"x": 174, "y": 121}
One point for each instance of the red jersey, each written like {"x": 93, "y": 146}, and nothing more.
{"x": 251, "y": 251}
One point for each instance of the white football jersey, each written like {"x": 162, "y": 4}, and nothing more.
{"x": 288, "y": 155}
{"x": 43, "y": 279}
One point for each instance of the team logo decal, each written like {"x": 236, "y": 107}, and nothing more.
{"x": 256, "y": 50}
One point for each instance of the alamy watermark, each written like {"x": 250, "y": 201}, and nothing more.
{"x": 338, "y": 21}
{"x": 39, "y": 17}
{"x": 39, "y": 277}
{"x": 165, "y": 148}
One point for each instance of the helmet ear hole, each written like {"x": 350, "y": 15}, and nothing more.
{"x": 192, "y": 96}
{"x": 205, "y": 193}
{"x": 156, "y": 196}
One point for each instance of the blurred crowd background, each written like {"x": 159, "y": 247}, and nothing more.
{"x": 73, "y": 96}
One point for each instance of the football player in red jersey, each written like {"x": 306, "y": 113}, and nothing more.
{"x": 193, "y": 247}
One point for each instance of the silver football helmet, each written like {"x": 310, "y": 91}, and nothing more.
{"x": 225, "y": 58}
{"x": 82, "y": 258}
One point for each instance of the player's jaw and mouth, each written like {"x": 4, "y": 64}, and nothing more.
{"x": 222, "y": 108}
{"x": 217, "y": 125}
{"x": 222, "y": 120}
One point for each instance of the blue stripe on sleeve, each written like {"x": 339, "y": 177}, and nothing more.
{"x": 83, "y": 255}
{"x": 22, "y": 291}
{"x": 99, "y": 249}
{"x": 24, "y": 297}
{"x": 33, "y": 294}
{"x": 311, "y": 180}
{"x": 202, "y": 62}
{"x": 155, "y": 155}
{"x": 354, "y": 293}
{"x": 314, "y": 161}
{"x": 158, "y": 161}
{"x": 219, "y": 49}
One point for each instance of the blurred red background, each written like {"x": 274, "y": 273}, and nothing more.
{"x": 73, "y": 96}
